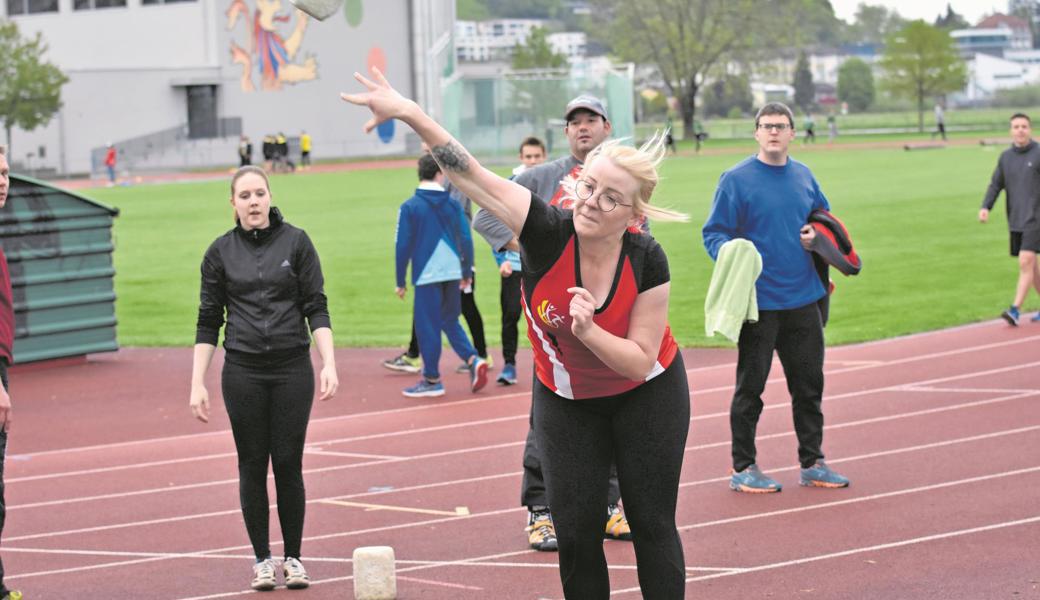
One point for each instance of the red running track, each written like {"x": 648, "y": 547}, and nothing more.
{"x": 115, "y": 492}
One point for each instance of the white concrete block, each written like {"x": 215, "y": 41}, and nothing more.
{"x": 374, "y": 575}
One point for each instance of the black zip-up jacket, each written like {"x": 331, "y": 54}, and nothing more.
{"x": 269, "y": 281}
{"x": 1018, "y": 172}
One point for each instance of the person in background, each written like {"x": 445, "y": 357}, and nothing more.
{"x": 766, "y": 199}
{"x": 433, "y": 236}
{"x": 1018, "y": 174}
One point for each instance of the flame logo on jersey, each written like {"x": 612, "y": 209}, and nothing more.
{"x": 546, "y": 312}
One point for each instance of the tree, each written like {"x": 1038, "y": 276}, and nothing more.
{"x": 873, "y": 24}
{"x": 684, "y": 39}
{"x": 804, "y": 90}
{"x": 30, "y": 88}
{"x": 726, "y": 93}
{"x": 856, "y": 84}
{"x": 538, "y": 80}
{"x": 472, "y": 10}
{"x": 951, "y": 20}
{"x": 537, "y": 53}
{"x": 920, "y": 62}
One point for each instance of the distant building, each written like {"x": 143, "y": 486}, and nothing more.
{"x": 489, "y": 41}
{"x": 1021, "y": 34}
{"x": 992, "y": 41}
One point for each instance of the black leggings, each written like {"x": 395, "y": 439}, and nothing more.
{"x": 509, "y": 299}
{"x": 269, "y": 407}
{"x": 644, "y": 430}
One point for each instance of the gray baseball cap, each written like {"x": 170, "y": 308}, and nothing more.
{"x": 584, "y": 102}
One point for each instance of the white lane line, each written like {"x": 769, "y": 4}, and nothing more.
{"x": 919, "y": 388}
{"x": 516, "y": 510}
{"x": 496, "y": 398}
{"x": 191, "y": 486}
{"x": 192, "y": 436}
{"x": 853, "y": 551}
{"x": 478, "y": 423}
{"x": 456, "y": 586}
{"x": 458, "y": 482}
{"x": 321, "y": 452}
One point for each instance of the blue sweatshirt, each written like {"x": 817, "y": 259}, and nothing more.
{"x": 430, "y": 228}
{"x": 768, "y": 206}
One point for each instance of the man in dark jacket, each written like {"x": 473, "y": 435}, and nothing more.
{"x": 1018, "y": 172}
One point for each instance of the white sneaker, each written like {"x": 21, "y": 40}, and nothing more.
{"x": 264, "y": 578}
{"x": 295, "y": 575}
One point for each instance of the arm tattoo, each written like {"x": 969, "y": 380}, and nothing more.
{"x": 451, "y": 157}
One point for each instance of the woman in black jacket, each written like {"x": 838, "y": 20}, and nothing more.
{"x": 265, "y": 273}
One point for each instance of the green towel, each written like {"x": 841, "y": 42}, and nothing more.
{"x": 731, "y": 295}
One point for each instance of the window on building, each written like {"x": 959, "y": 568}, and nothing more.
{"x": 92, "y": 4}
{"x": 153, "y": 2}
{"x": 28, "y": 7}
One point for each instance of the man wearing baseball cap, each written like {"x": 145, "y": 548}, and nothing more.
{"x": 587, "y": 127}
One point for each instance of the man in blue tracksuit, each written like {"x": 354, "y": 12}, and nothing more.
{"x": 767, "y": 199}
{"x": 433, "y": 235}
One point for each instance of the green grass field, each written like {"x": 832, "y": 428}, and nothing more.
{"x": 928, "y": 263}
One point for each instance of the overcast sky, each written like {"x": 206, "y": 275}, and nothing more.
{"x": 972, "y": 10}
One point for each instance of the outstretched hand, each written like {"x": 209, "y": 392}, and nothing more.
{"x": 381, "y": 98}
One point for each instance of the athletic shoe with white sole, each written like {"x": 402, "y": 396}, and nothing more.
{"x": 295, "y": 575}
{"x": 264, "y": 578}
{"x": 403, "y": 363}
{"x": 424, "y": 389}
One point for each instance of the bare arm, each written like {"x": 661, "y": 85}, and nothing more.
{"x": 506, "y": 200}
{"x": 329, "y": 379}
{"x": 199, "y": 400}
{"x": 634, "y": 355}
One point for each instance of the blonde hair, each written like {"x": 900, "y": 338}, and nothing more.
{"x": 641, "y": 163}
{"x": 241, "y": 172}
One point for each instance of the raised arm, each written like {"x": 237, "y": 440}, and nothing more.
{"x": 504, "y": 199}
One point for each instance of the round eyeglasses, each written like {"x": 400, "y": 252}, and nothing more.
{"x": 605, "y": 202}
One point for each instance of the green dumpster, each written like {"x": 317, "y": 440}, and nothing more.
{"x": 59, "y": 251}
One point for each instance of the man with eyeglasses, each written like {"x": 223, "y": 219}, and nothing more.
{"x": 587, "y": 127}
{"x": 766, "y": 199}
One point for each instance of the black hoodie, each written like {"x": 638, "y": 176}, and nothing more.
{"x": 1018, "y": 172}
{"x": 269, "y": 281}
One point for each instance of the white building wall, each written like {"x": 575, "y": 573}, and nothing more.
{"x": 128, "y": 68}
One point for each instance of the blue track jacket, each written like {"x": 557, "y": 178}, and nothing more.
{"x": 431, "y": 227}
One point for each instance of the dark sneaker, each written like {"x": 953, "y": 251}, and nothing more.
{"x": 295, "y": 575}
{"x": 404, "y": 364}
{"x": 424, "y": 389}
{"x": 753, "y": 481}
{"x": 617, "y": 524}
{"x": 508, "y": 375}
{"x": 478, "y": 369}
{"x": 1036, "y": 317}
{"x": 264, "y": 578}
{"x": 1011, "y": 316}
{"x": 541, "y": 533}
{"x": 820, "y": 475}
